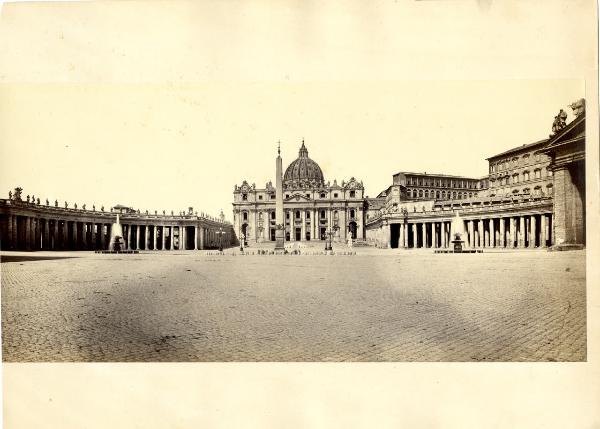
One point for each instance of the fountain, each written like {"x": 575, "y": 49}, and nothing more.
{"x": 117, "y": 243}
{"x": 457, "y": 235}
{"x": 457, "y": 230}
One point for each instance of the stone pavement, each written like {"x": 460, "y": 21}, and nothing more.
{"x": 379, "y": 305}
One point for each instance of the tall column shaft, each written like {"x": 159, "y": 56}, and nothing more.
{"x": 521, "y": 231}
{"x": 543, "y": 231}
{"x": 533, "y": 232}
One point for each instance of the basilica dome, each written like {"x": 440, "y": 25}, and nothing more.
{"x": 303, "y": 171}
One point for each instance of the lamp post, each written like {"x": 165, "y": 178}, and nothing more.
{"x": 330, "y": 233}
{"x": 220, "y": 232}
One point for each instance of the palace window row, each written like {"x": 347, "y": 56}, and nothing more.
{"x": 427, "y": 194}
{"x": 514, "y": 162}
{"x": 441, "y": 183}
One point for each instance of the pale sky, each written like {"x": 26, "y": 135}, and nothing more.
{"x": 170, "y": 105}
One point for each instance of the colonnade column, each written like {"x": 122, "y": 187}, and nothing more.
{"x": 414, "y": 234}
{"x": 521, "y": 239}
{"x": 543, "y": 231}
{"x": 532, "y": 232}
{"x": 502, "y": 232}
{"x": 154, "y": 234}
{"x": 471, "y": 233}
{"x": 182, "y": 238}
{"x": 147, "y": 237}
{"x": 196, "y": 237}
{"x": 423, "y": 235}
{"x": 102, "y": 236}
{"x": 401, "y": 236}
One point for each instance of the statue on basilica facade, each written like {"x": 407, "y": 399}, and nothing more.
{"x": 10, "y": 195}
{"x": 47, "y": 202}
{"x": 27, "y": 197}
{"x": 55, "y": 203}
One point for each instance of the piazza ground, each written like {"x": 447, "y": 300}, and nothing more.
{"x": 378, "y": 305}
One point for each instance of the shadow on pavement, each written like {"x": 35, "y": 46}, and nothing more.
{"x": 28, "y": 258}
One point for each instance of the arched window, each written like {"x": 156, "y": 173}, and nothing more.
{"x": 322, "y": 213}
{"x": 260, "y": 216}
{"x": 443, "y": 195}
{"x": 437, "y": 195}
{"x": 273, "y": 215}
{"x": 420, "y": 193}
{"x": 245, "y": 215}
{"x": 335, "y": 214}
{"x": 322, "y": 195}
{"x": 352, "y": 214}
{"x": 307, "y": 214}
{"x": 245, "y": 197}
{"x": 297, "y": 214}
{"x": 525, "y": 176}
{"x": 426, "y": 193}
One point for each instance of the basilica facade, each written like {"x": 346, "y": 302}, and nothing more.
{"x": 313, "y": 208}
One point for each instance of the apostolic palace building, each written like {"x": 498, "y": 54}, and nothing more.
{"x": 533, "y": 196}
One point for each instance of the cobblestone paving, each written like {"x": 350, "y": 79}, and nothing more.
{"x": 375, "y": 306}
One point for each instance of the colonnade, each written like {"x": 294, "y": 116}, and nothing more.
{"x": 38, "y": 233}
{"x": 519, "y": 231}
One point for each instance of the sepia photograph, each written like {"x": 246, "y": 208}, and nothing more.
{"x": 376, "y": 239}
{"x": 298, "y": 214}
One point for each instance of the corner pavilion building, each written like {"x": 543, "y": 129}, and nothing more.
{"x": 313, "y": 208}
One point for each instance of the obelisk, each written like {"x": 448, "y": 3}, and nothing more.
{"x": 279, "y": 227}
